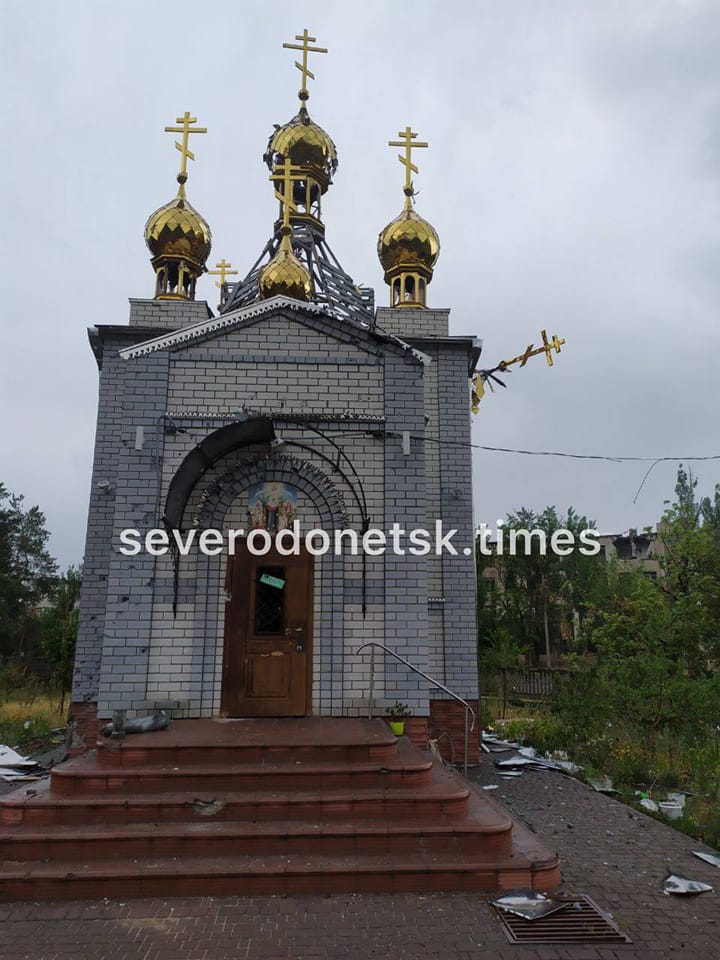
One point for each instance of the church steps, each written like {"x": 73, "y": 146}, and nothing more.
{"x": 290, "y": 824}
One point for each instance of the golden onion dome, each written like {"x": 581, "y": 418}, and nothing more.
{"x": 408, "y": 242}
{"x": 284, "y": 275}
{"x": 178, "y": 230}
{"x": 305, "y": 144}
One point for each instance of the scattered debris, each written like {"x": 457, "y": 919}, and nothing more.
{"x": 670, "y": 809}
{"x": 529, "y": 757}
{"x": 13, "y": 766}
{"x": 582, "y": 922}
{"x": 529, "y": 904}
{"x": 514, "y": 763}
{"x": 677, "y": 798}
{"x": 120, "y": 726}
{"x": 490, "y": 786}
{"x": 603, "y": 785}
{"x": 10, "y": 758}
{"x": 208, "y": 808}
{"x": 649, "y": 804}
{"x": 713, "y": 858}
{"x": 682, "y": 885}
{"x": 492, "y": 744}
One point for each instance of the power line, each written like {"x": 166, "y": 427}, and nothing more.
{"x": 557, "y": 453}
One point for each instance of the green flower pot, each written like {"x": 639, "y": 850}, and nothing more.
{"x": 397, "y": 727}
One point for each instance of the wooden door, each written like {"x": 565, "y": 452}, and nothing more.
{"x": 268, "y": 632}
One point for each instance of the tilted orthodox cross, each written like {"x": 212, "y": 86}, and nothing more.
{"x": 546, "y": 348}
{"x": 222, "y": 272}
{"x": 186, "y": 129}
{"x": 410, "y": 143}
{"x": 488, "y": 376}
{"x": 304, "y": 45}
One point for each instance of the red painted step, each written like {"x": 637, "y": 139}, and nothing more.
{"x": 84, "y": 775}
{"x": 444, "y": 796}
{"x": 215, "y": 742}
{"x": 283, "y": 874}
{"x": 260, "y": 807}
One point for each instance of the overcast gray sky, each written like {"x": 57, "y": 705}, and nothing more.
{"x": 573, "y": 177}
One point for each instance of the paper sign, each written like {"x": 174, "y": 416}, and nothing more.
{"x": 272, "y": 581}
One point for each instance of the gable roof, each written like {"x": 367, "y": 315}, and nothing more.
{"x": 324, "y": 318}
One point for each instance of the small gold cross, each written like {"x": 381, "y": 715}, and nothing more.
{"x": 410, "y": 143}
{"x": 222, "y": 272}
{"x": 286, "y": 174}
{"x": 186, "y": 120}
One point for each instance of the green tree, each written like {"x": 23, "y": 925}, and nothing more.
{"x": 690, "y": 535}
{"x": 26, "y": 569}
{"x": 57, "y": 629}
{"x": 536, "y": 594}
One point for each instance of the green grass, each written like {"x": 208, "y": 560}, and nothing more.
{"x": 27, "y": 720}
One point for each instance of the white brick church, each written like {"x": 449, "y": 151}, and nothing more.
{"x": 299, "y": 403}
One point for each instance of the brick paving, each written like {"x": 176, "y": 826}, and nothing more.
{"x": 615, "y": 855}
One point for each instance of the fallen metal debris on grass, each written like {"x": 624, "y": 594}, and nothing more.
{"x": 678, "y": 798}
{"x": 514, "y": 763}
{"x": 682, "y": 885}
{"x": 713, "y": 858}
{"x": 528, "y": 757}
{"x": 603, "y": 785}
{"x": 649, "y": 804}
{"x": 529, "y": 904}
{"x": 670, "y": 809}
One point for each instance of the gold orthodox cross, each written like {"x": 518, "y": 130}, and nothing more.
{"x": 222, "y": 272}
{"x": 488, "y": 376}
{"x": 548, "y": 347}
{"x": 287, "y": 174}
{"x": 530, "y": 351}
{"x": 186, "y": 129}
{"x": 304, "y": 45}
{"x": 410, "y": 143}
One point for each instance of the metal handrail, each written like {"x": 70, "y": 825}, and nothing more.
{"x": 468, "y": 709}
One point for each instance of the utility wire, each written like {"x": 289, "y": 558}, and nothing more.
{"x": 556, "y": 453}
